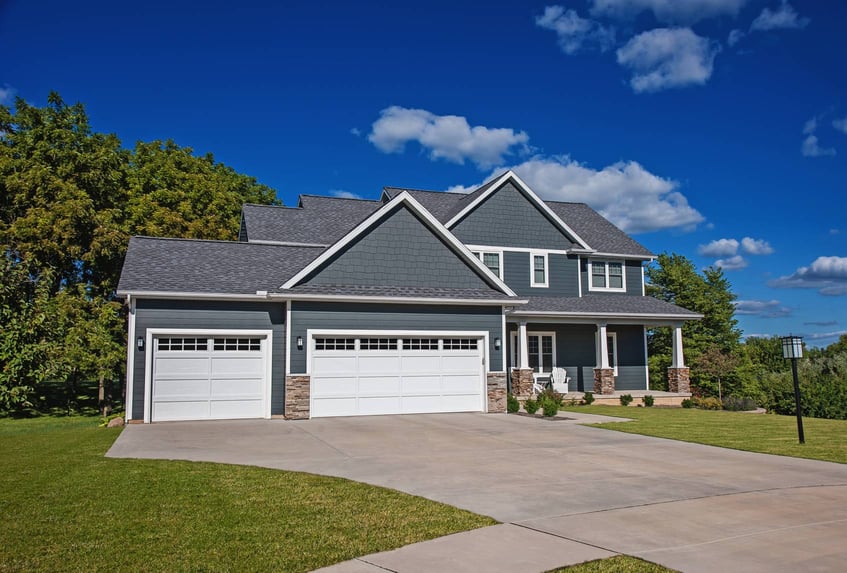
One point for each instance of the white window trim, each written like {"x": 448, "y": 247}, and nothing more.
{"x": 539, "y": 333}
{"x": 614, "y": 347}
{"x": 480, "y": 253}
{"x": 606, "y": 263}
{"x": 532, "y": 283}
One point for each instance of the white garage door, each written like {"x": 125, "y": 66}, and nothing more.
{"x": 209, "y": 378}
{"x": 360, "y": 376}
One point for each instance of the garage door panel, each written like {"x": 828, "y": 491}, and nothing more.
{"x": 461, "y": 383}
{"x": 247, "y": 366}
{"x": 459, "y": 403}
{"x": 374, "y": 406}
{"x": 375, "y": 385}
{"x": 337, "y": 407}
{"x": 369, "y": 364}
{"x": 184, "y": 387}
{"x": 421, "y": 384}
{"x": 333, "y": 386}
{"x": 421, "y": 363}
{"x": 237, "y": 387}
{"x": 334, "y": 365}
{"x": 182, "y": 366}
{"x": 180, "y": 410}
{"x": 234, "y": 409}
{"x": 422, "y": 405}
{"x": 451, "y": 363}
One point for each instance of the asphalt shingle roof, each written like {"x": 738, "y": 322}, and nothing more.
{"x": 596, "y": 230}
{"x": 221, "y": 267}
{"x": 439, "y": 203}
{"x": 606, "y": 304}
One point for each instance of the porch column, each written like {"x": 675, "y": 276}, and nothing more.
{"x": 678, "y": 373}
{"x": 604, "y": 375}
{"x": 522, "y": 375}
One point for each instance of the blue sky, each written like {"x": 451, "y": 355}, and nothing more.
{"x": 712, "y": 128}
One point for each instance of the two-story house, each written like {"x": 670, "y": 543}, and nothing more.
{"x": 419, "y": 302}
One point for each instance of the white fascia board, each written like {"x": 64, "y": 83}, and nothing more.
{"x": 608, "y": 315}
{"x": 535, "y": 198}
{"x": 284, "y": 243}
{"x": 404, "y": 299}
{"x": 181, "y": 295}
{"x": 598, "y": 254}
{"x": 419, "y": 210}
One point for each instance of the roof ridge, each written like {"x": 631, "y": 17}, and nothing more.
{"x": 261, "y": 205}
{"x": 568, "y": 203}
{"x": 222, "y": 241}
{"x": 423, "y": 190}
{"x": 338, "y": 198}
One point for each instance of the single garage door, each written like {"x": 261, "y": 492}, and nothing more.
{"x": 209, "y": 378}
{"x": 360, "y": 376}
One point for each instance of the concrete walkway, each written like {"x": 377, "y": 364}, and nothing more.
{"x": 566, "y": 493}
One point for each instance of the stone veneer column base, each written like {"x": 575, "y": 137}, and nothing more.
{"x": 297, "y": 397}
{"x": 679, "y": 380}
{"x": 604, "y": 380}
{"x": 496, "y": 386}
{"x": 522, "y": 382}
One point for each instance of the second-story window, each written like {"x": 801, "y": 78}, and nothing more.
{"x": 607, "y": 275}
{"x": 492, "y": 261}
{"x": 538, "y": 267}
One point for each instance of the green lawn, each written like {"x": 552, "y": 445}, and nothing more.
{"x": 617, "y": 564}
{"x": 64, "y": 507}
{"x": 765, "y": 433}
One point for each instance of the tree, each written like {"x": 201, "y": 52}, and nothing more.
{"x": 715, "y": 364}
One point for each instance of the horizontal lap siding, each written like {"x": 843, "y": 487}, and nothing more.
{"x": 193, "y": 315}
{"x": 351, "y": 316}
{"x": 563, "y": 275}
{"x": 633, "y": 278}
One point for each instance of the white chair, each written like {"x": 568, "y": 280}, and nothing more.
{"x": 560, "y": 380}
{"x": 540, "y": 383}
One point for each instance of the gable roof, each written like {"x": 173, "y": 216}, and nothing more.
{"x": 439, "y": 203}
{"x": 599, "y": 232}
{"x": 212, "y": 267}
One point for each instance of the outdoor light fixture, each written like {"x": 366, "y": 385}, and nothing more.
{"x": 299, "y": 343}
{"x": 792, "y": 349}
{"x": 497, "y": 343}
{"x": 139, "y": 343}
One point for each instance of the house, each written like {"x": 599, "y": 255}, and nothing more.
{"x": 419, "y": 302}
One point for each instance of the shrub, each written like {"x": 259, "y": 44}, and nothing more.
{"x": 648, "y": 400}
{"x": 550, "y": 394}
{"x": 588, "y": 398}
{"x": 626, "y": 399}
{"x": 512, "y": 404}
{"x": 531, "y": 406}
{"x": 736, "y": 404}
{"x": 549, "y": 406}
{"x": 687, "y": 403}
{"x": 707, "y": 403}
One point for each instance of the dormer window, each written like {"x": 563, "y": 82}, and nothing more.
{"x": 606, "y": 276}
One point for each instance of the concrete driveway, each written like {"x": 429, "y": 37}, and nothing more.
{"x": 687, "y": 506}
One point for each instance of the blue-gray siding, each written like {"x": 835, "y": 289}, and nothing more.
{"x": 193, "y": 315}
{"x": 563, "y": 277}
{"x": 507, "y": 218}
{"x": 633, "y": 278}
{"x": 576, "y": 353}
{"x": 351, "y": 316}
{"x": 399, "y": 251}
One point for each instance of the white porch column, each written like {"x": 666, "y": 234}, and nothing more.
{"x": 602, "y": 346}
{"x": 678, "y": 359}
{"x": 523, "y": 346}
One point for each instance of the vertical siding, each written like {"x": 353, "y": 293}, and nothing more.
{"x": 562, "y": 274}
{"x": 352, "y": 316}
{"x": 632, "y": 269}
{"x": 192, "y": 315}
{"x": 507, "y": 218}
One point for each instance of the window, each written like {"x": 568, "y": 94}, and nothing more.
{"x": 460, "y": 343}
{"x": 378, "y": 344}
{"x": 235, "y": 344}
{"x": 420, "y": 344}
{"x": 182, "y": 344}
{"x": 612, "y": 349}
{"x": 607, "y": 275}
{"x": 538, "y": 263}
{"x": 335, "y": 344}
{"x": 540, "y": 351}
{"x": 490, "y": 260}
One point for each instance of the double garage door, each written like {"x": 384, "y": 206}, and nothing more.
{"x": 386, "y": 374}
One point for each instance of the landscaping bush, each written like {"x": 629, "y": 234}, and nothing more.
{"x": 648, "y": 400}
{"x": 736, "y": 404}
{"x": 626, "y": 399}
{"x": 512, "y": 404}
{"x": 550, "y": 394}
{"x": 707, "y": 403}
{"x": 687, "y": 403}
{"x": 588, "y": 398}
{"x": 549, "y": 406}
{"x": 531, "y": 406}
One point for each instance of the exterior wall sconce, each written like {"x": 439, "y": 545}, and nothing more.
{"x": 139, "y": 343}
{"x": 299, "y": 343}
{"x": 792, "y": 349}
{"x": 497, "y": 343}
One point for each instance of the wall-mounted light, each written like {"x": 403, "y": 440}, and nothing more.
{"x": 299, "y": 343}
{"x": 139, "y": 343}
{"x": 497, "y": 343}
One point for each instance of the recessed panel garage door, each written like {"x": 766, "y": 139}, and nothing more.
{"x": 360, "y": 376}
{"x": 208, "y": 378}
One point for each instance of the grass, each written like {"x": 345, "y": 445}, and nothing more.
{"x": 64, "y": 507}
{"x": 616, "y": 564}
{"x": 765, "y": 433}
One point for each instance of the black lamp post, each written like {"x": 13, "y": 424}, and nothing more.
{"x": 792, "y": 348}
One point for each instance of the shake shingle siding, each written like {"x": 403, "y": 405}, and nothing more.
{"x": 563, "y": 276}
{"x": 633, "y": 278}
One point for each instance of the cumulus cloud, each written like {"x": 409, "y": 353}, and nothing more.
{"x": 719, "y": 248}
{"x": 448, "y": 137}
{"x": 7, "y": 94}
{"x": 732, "y": 263}
{"x": 575, "y": 33}
{"x": 668, "y": 58}
{"x": 734, "y": 37}
{"x": 668, "y": 11}
{"x": 783, "y": 18}
{"x": 826, "y": 274}
{"x": 355, "y": 131}
{"x": 340, "y": 193}
{"x": 633, "y": 198}
{"x": 840, "y": 124}
{"x": 826, "y": 335}
{"x": 811, "y": 148}
{"x": 756, "y": 246}
{"x": 762, "y": 308}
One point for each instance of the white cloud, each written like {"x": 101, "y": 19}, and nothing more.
{"x": 756, "y": 246}
{"x": 784, "y": 17}
{"x": 575, "y": 33}
{"x": 719, "y": 248}
{"x": 732, "y": 263}
{"x": 825, "y": 335}
{"x": 668, "y": 58}
{"x": 631, "y": 197}
{"x": 355, "y": 131}
{"x": 826, "y": 274}
{"x": 811, "y": 148}
{"x": 810, "y": 126}
{"x": 762, "y": 308}
{"x": 668, "y": 11}
{"x": 734, "y": 37}
{"x": 7, "y": 94}
{"x": 447, "y": 137}
{"x": 340, "y": 193}
{"x": 840, "y": 124}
